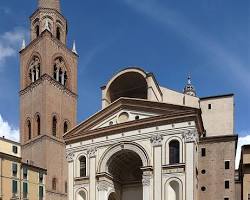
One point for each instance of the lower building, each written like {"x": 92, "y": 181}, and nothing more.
{"x": 19, "y": 180}
{"x": 243, "y": 179}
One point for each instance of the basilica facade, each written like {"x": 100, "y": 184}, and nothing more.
{"x": 152, "y": 143}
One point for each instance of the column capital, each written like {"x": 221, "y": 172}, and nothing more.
{"x": 102, "y": 186}
{"x": 156, "y": 140}
{"x": 92, "y": 152}
{"x": 70, "y": 156}
{"x": 190, "y": 136}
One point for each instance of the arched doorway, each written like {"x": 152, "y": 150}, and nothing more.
{"x": 125, "y": 168}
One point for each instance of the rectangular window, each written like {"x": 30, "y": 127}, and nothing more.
{"x": 209, "y": 106}
{"x": 248, "y": 196}
{"x": 14, "y": 149}
{"x": 25, "y": 172}
{"x": 203, "y": 152}
{"x": 66, "y": 187}
{"x": 40, "y": 192}
{"x": 14, "y": 187}
{"x": 40, "y": 177}
{"x": 226, "y": 184}
{"x": 14, "y": 169}
{"x": 25, "y": 190}
{"x": 226, "y": 198}
{"x": 227, "y": 164}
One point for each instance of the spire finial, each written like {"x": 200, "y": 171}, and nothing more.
{"x": 74, "y": 47}
{"x": 189, "y": 88}
{"x": 23, "y": 44}
{"x": 52, "y": 4}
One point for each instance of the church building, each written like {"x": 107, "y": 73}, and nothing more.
{"x": 147, "y": 142}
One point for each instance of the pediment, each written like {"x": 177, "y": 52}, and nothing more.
{"x": 128, "y": 112}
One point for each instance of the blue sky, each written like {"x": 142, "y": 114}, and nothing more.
{"x": 171, "y": 38}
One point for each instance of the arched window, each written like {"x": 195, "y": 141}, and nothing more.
{"x": 81, "y": 196}
{"x": 82, "y": 161}
{"x": 60, "y": 71}
{"x": 65, "y": 127}
{"x": 38, "y": 123}
{"x": 29, "y": 129}
{"x": 54, "y": 183}
{"x": 37, "y": 30}
{"x": 54, "y": 125}
{"x": 174, "y": 152}
{"x": 58, "y": 33}
{"x": 35, "y": 69}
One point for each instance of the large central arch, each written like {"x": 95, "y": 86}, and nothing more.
{"x": 123, "y": 163}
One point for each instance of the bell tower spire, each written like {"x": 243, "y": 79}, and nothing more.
{"x": 52, "y": 4}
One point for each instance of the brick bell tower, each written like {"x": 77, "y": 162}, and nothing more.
{"x": 48, "y": 95}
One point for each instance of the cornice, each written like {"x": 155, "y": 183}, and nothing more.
{"x": 217, "y": 139}
{"x": 53, "y": 38}
{"x": 52, "y": 81}
{"x": 133, "y": 125}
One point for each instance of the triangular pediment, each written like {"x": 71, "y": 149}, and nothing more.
{"x": 130, "y": 112}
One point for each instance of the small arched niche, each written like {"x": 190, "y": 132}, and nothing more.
{"x": 131, "y": 84}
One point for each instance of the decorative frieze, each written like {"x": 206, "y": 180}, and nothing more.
{"x": 190, "y": 136}
{"x": 156, "y": 140}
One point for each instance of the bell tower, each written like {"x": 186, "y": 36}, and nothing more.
{"x": 48, "y": 95}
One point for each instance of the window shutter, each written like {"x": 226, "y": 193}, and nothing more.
{"x": 40, "y": 191}
{"x": 14, "y": 187}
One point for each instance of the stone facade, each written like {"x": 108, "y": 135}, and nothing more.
{"x": 48, "y": 96}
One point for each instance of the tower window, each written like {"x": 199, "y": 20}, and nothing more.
{"x": 227, "y": 164}
{"x": 66, "y": 187}
{"x": 174, "y": 152}
{"x": 226, "y": 184}
{"x": 209, "y": 106}
{"x": 29, "y": 129}
{"x": 82, "y": 161}
{"x": 58, "y": 33}
{"x": 65, "y": 127}
{"x": 203, "y": 188}
{"x": 203, "y": 152}
{"x": 38, "y": 121}
{"x": 60, "y": 71}
{"x": 37, "y": 30}
{"x": 54, "y": 184}
{"x": 35, "y": 69}
{"x": 54, "y": 125}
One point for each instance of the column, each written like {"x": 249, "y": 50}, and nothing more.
{"x": 63, "y": 74}
{"x": 190, "y": 139}
{"x": 92, "y": 173}
{"x": 37, "y": 73}
{"x": 146, "y": 183}
{"x": 70, "y": 159}
{"x": 57, "y": 74}
{"x": 156, "y": 141}
{"x": 102, "y": 191}
{"x": 33, "y": 75}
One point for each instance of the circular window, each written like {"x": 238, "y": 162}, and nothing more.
{"x": 203, "y": 188}
{"x": 111, "y": 123}
{"x": 203, "y": 171}
{"x": 123, "y": 117}
{"x": 137, "y": 117}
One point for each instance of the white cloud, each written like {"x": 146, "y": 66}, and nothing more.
{"x": 10, "y": 43}
{"x": 8, "y": 131}
{"x": 241, "y": 141}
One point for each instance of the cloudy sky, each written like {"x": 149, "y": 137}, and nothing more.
{"x": 171, "y": 38}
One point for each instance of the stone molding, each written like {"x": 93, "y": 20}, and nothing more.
{"x": 190, "y": 136}
{"x": 52, "y": 81}
{"x": 156, "y": 140}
